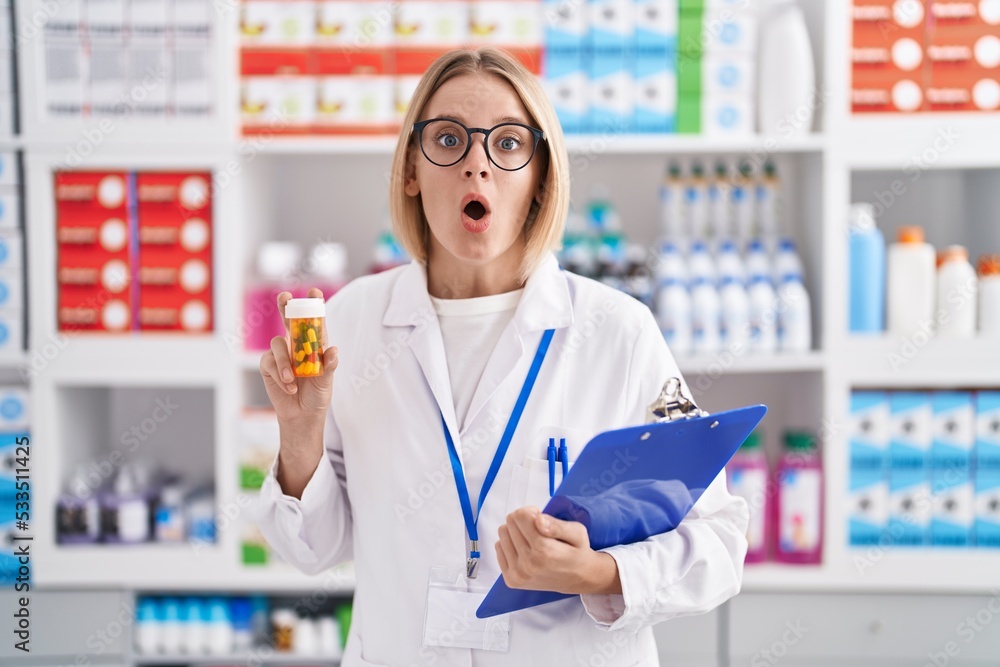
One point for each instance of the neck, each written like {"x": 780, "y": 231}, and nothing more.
{"x": 451, "y": 278}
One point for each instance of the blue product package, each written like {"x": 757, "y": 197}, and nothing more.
{"x": 869, "y": 505}
{"x": 869, "y": 429}
{"x": 610, "y": 94}
{"x": 988, "y": 508}
{"x": 910, "y": 506}
{"x": 655, "y": 92}
{"x": 953, "y": 517}
{"x": 867, "y": 279}
{"x": 566, "y": 25}
{"x": 565, "y": 80}
{"x": 953, "y": 429}
{"x": 909, "y": 429}
{"x": 656, "y": 23}
{"x": 9, "y": 465}
{"x": 988, "y": 429}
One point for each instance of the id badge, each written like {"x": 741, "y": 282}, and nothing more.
{"x": 450, "y": 620}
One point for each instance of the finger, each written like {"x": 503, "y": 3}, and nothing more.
{"x": 518, "y": 536}
{"x": 283, "y": 365}
{"x": 282, "y": 300}
{"x": 269, "y": 371}
{"x": 506, "y": 543}
{"x": 501, "y": 556}
{"x": 331, "y": 358}
{"x": 571, "y": 532}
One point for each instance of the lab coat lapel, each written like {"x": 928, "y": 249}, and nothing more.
{"x": 410, "y": 305}
{"x": 545, "y": 304}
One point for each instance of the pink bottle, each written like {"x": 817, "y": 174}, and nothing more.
{"x": 747, "y": 475}
{"x": 277, "y": 271}
{"x": 798, "y": 511}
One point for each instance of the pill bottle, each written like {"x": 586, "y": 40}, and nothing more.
{"x": 305, "y": 330}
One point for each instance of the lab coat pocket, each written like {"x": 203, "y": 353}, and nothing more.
{"x": 529, "y": 484}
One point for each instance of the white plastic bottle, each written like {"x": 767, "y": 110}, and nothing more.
{"x": 673, "y": 314}
{"x": 757, "y": 260}
{"x": 767, "y": 200}
{"x": 786, "y": 72}
{"x": 735, "y": 321}
{"x": 672, "y": 203}
{"x": 718, "y": 198}
{"x": 794, "y": 315}
{"x": 705, "y": 317}
{"x": 700, "y": 264}
{"x": 989, "y": 295}
{"x": 671, "y": 263}
{"x": 786, "y": 261}
{"x": 742, "y": 197}
{"x": 957, "y": 285}
{"x": 696, "y": 202}
{"x": 763, "y": 315}
{"x": 729, "y": 262}
{"x": 910, "y": 283}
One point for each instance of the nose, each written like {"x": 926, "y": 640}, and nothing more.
{"x": 476, "y": 162}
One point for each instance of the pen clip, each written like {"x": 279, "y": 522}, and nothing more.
{"x": 672, "y": 404}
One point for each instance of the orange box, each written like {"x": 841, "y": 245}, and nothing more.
{"x": 93, "y": 236}
{"x": 174, "y": 214}
{"x": 965, "y": 13}
{"x": 953, "y": 89}
{"x": 971, "y": 47}
{"x": 899, "y": 95}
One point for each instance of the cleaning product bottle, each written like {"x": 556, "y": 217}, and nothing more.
{"x": 696, "y": 202}
{"x": 597, "y": 207}
{"x": 638, "y": 278}
{"x": 866, "y": 271}
{"x": 673, "y": 314}
{"x": 171, "y": 626}
{"x": 328, "y": 268}
{"x": 794, "y": 315}
{"x": 718, "y": 198}
{"x": 747, "y": 475}
{"x": 670, "y": 263}
{"x": 910, "y": 282}
{"x": 276, "y": 266}
{"x": 742, "y": 196}
{"x": 77, "y": 511}
{"x": 735, "y": 314}
{"x": 786, "y": 72}
{"x": 767, "y": 201}
{"x": 957, "y": 285}
{"x": 729, "y": 262}
{"x": 758, "y": 262}
{"x": 148, "y": 630}
{"x": 989, "y": 295}
{"x": 799, "y": 506}
{"x": 125, "y": 509}
{"x": 787, "y": 261}
{"x": 763, "y": 315}
{"x": 219, "y": 635}
{"x": 705, "y": 317}
{"x": 700, "y": 264}
{"x": 672, "y": 203}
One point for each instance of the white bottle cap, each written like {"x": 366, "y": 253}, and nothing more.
{"x": 277, "y": 259}
{"x": 305, "y": 308}
{"x": 329, "y": 260}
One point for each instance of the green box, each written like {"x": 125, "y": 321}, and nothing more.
{"x": 689, "y": 36}
{"x": 688, "y": 114}
{"x": 691, "y": 6}
{"x": 689, "y": 76}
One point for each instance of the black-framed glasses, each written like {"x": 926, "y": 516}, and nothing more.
{"x": 446, "y": 142}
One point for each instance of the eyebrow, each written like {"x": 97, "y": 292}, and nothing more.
{"x": 496, "y": 121}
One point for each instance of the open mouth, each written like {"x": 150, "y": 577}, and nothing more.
{"x": 475, "y": 210}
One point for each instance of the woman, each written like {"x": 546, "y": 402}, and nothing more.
{"x": 436, "y": 354}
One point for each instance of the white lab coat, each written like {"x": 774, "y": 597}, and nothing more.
{"x": 385, "y": 497}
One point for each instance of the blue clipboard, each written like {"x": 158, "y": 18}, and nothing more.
{"x": 632, "y": 483}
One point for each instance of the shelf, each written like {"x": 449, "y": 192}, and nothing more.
{"x": 597, "y": 144}
{"x": 727, "y": 364}
{"x": 888, "y": 361}
{"x": 923, "y": 141}
{"x": 256, "y": 656}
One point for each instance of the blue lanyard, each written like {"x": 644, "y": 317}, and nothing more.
{"x": 471, "y": 522}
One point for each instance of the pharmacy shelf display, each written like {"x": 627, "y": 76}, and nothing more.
{"x": 321, "y": 190}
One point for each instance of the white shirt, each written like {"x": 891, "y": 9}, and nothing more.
{"x": 384, "y": 495}
{"x": 470, "y": 329}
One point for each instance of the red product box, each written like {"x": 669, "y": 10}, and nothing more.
{"x": 94, "y": 271}
{"x": 174, "y": 274}
{"x": 957, "y": 90}
{"x": 901, "y": 95}
{"x": 965, "y": 48}
{"x": 982, "y": 13}
{"x": 888, "y": 63}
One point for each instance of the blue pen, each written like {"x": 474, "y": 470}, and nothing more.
{"x": 564, "y": 456}
{"x": 552, "y": 466}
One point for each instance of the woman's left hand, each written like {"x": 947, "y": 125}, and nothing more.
{"x": 540, "y": 552}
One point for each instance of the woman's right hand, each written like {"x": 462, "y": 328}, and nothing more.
{"x": 300, "y": 403}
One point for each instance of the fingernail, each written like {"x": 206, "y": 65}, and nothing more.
{"x": 546, "y": 525}
{"x": 286, "y": 376}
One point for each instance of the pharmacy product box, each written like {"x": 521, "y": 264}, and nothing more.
{"x": 147, "y": 18}
{"x": 175, "y": 251}
{"x": 724, "y": 73}
{"x": 954, "y": 429}
{"x": 11, "y": 333}
{"x": 910, "y": 506}
{"x": 13, "y": 445}
{"x": 14, "y": 409}
{"x": 404, "y": 88}
{"x": 278, "y": 23}
{"x": 341, "y": 24}
{"x": 193, "y": 93}
{"x": 10, "y": 174}
{"x": 93, "y": 235}
{"x": 953, "y": 498}
{"x": 277, "y": 91}
{"x": 988, "y": 507}
{"x": 728, "y": 114}
{"x": 988, "y": 429}
{"x": 11, "y": 289}
{"x": 910, "y": 419}
{"x": 958, "y": 91}
{"x": 965, "y": 13}
{"x": 566, "y": 26}
{"x": 10, "y": 207}
{"x": 655, "y": 26}
{"x": 356, "y": 93}
{"x": 566, "y": 82}
{"x": 869, "y": 429}
{"x": 655, "y": 93}
{"x": 896, "y": 96}
{"x": 508, "y": 23}
{"x": 611, "y": 25}
{"x": 9, "y": 565}
{"x": 728, "y": 31}
{"x": 610, "y": 93}
{"x": 442, "y": 24}
{"x": 868, "y": 513}
{"x": 689, "y": 114}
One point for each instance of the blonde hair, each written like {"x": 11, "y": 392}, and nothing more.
{"x": 543, "y": 226}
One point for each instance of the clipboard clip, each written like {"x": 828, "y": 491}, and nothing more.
{"x": 672, "y": 404}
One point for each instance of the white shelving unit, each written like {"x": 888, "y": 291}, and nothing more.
{"x": 310, "y": 189}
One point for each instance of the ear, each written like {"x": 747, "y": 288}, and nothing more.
{"x": 540, "y": 193}
{"x": 410, "y": 184}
